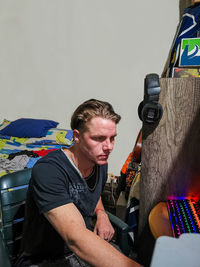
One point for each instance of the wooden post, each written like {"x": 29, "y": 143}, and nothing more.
{"x": 171, "y": 151}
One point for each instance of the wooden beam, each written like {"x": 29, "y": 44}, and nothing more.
{"x": 170, "y": 154}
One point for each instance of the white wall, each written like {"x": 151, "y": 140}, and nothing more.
{"x": 54, "y": 54}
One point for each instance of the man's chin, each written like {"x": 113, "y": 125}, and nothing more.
{"x": 102, "y": 162}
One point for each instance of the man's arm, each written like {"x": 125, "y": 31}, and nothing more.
{"x": 69, "y": 223}
{"x": 103, "y": 227}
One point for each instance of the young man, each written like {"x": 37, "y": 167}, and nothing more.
{"x": 65, "y": 192}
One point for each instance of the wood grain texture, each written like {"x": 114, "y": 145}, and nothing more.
{"x": 170, "y": 154}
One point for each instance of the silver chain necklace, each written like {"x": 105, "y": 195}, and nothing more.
{"x": 94, "y": 172}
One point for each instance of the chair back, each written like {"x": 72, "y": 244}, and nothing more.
{"x": 13, "y": 189}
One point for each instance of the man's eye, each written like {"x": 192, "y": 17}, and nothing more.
{"x": 112, "y": 139}
{"x": 99, "y": 138}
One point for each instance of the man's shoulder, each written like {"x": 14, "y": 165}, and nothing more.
{"x": 52, "y": 162}
{"x": 103, "y": 167}
{"x": 53, "y": 156}
{"x": 103, "y": 171}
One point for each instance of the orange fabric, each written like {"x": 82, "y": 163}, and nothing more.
{"x": 128, "y": 160}
{"x": 129, "y": 178}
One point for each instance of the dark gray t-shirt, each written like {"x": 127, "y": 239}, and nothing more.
{"x": 55, "y": 181}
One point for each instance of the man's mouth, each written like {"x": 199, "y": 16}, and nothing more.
{"x": 103, "y": 157}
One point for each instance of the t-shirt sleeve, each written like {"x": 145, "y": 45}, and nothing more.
{"x": 49, "y": 187}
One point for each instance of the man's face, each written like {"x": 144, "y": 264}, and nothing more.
{"x": 97, "y": 142}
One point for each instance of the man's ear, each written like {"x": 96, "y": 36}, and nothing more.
{"x": 76, "y": 136}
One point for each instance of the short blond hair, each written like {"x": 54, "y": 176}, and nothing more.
{"x": 90, "y": 109}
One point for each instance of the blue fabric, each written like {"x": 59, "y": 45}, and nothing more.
{"x": 189, "y": 27}
{"x": 28, "y": 128}
{"x": 132, "y": 213}
{"x": 32, "y": 162}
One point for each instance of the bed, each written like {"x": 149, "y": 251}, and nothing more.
{"x": 24, "y": 141}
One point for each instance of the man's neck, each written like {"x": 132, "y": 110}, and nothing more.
{"x": 79, "y": 160}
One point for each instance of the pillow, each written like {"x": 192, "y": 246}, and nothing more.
{"x": 28, "y": 128}
{"x": 4, "y": 124}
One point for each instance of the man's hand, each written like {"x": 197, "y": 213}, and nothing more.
{"x": 103, "y": 227}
